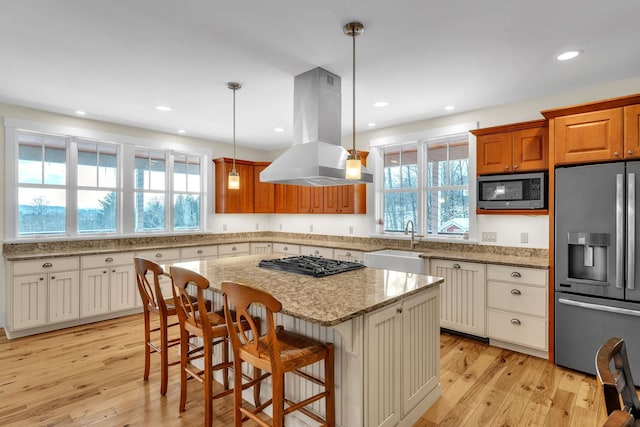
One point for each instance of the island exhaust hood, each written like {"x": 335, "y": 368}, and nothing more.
{"x": 317, "y": 158}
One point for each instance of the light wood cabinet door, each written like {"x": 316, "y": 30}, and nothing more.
{"x": 331, "y": 202}
{"x": 494, "y": 153}
{"x": 286, "y": 198}
{"x": 234, "y": 201}
{"x": 632, "y": 132}
{"x": 304, "y": 199}
{"x": 317, "y": 199}
{"x": 263, "y": 192}
{"x": 531, "y": 150}
{"x": 589, "y": 137}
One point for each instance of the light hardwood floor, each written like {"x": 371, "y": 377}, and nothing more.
{"x": 93, "y": 375}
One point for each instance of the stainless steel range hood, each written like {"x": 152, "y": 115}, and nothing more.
{"x": 316, "y": 159}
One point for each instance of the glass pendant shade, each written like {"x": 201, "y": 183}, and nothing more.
{"x": 354, "y": 169}
{"x": 234, "y": 180}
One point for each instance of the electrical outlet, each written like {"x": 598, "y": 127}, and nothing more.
{"x": 351, "y": 229}
{"x": 489, "y": 236}
{"x": 257, "y": 226}
{"x": 524, "y": 237}
{"x": 310, "y": 228}
{"x": 224, "y": 227}
{"x": 280, "y": 226}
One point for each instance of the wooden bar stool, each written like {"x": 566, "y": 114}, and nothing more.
{"x": 197, "y": 321}
{"x": 277, "y": 352}
{"x": 154, "y": 302}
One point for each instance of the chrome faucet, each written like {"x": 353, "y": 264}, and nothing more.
{"x": 413, "y": 232}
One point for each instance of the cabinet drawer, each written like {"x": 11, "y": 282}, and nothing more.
{"x": 517, "y": 329}
{"x": 285, "y": 248}
{"x": 199, "y": 252}
{"x": 160, "y": 255}
{"x": 45, "y": 265}
{"x": 532, "y": 276}
{"x": 233, "y": 249}
{"x": 316, "y": 251}
{"x": 348, "y": 255}
{"x": 521, "y": 298}
{"x": 105, "y": 260}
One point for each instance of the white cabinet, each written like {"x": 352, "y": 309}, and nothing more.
{"x": 402, "y": 359}
{"x": 199, "y": 252}
{"x": 316, "y": 251}
{"x": 233, "y": 249}
{"x": 517, "y": 308}
{"x": 44, "y": 291}
{"x": 162, "y": 256}
{"x": 260, "y": 248}
{"x": 348, "y": 255}
{"x": 286, "y": 249}
{"x": 462, "y": 296}
{"x": 108, "y": 284}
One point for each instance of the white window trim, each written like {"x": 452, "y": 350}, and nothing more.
{"x": 127, "y": 147}
{"x": 375, "y": 161}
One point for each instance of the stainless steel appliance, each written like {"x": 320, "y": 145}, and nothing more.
{"x": 596, "y": 262}
{"x": 310, "y": 265}
{"x": 513, "y": 191}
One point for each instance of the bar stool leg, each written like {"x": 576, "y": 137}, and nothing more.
{"x": 330, "y": 400}
{"x": 225, "y": 359}
{"x": 164, "y": 356}
{"x": 208, "y": 383}
{"x": 278, "y": 398}
{"x": 237, "y": 391}
{"x": 256, "y": 388}
{"x": 147, "y": 348}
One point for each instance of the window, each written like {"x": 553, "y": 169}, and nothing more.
{"x": 73, "y": 185}
{"x": 426, "y": 181}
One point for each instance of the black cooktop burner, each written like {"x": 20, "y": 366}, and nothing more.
{"x": 310, "y": 265}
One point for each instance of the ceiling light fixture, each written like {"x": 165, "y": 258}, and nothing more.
{"x": 181, "y": 131}
{"x": 568, "y": 55}
{"x": 380, "y": 103}
{"x": 163, "y": 108}
{"x": 371, "y": 124}
{"x": 80, "y": 112}
{"x": 278, "y": 129}
{"x": 354, "y": 164}
{"x": 234, "y": 176}
{"x": 450, "y": 107}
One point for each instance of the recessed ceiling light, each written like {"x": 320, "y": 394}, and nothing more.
{"x": 278, "y": 129}
{"x": 163, "y": 108}
{"x": 181, "y": 131}
{"x": 450, "y": 107}
{"x": 80, "y": 113}
{"x": 380, "y": 104}
{"x": 371, "y": 124}
{"x": 570, "y": 54}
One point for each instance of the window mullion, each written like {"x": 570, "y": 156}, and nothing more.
{"x": 72, "y": 187}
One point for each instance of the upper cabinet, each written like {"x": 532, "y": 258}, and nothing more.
{"x": 263, "y": 192}
{"x": 596, "y": 132}
{"x": 518, "y": 147}
{"x": 234, "y": 201}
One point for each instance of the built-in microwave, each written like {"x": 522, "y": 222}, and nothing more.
{"x": 513, "y": 191}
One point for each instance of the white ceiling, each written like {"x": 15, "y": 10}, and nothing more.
{"x": 118, "y": 59}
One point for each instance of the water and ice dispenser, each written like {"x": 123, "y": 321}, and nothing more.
{"x": 588, "y": 256}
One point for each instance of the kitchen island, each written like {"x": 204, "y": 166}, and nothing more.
{"x": 384, "y": 326}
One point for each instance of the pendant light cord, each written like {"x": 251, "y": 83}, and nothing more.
{"x": 353, "y": 153}
{"x": 234, "y": 129}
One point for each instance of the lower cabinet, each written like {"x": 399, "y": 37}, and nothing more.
{"x": 317, "y": 251}
{"x": 348, "y": 255}
{"x": 260, "y": 248}
{"x": 462, "y": 297}
{"x": 234, "y": 249}
{"x": 402, "y": 350}
{"x": 108, "y": 284}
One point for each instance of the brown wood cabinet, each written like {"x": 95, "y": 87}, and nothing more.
{"x": 632, "y": 132}
{"x": 518, "y": 147}
{"x": 286, "y": 198}
{"x": 264, "y": 198}
{"x": 311, "y": 199}
{"x": 234, "y": 201}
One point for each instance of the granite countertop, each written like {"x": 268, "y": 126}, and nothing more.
{"x": 326, "y": 301}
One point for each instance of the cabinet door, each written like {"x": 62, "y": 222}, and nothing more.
{"x": 331, "y": 195}
{"x": 348, "y": 255}
{"x": 494, "y": 153}
{"x": 632, "y": 132}
{"x": 260, "y": 248}
{"x": 531, "y": 149}
{"x": 383, "y": 341}
{"x": 304, "y": 199}
{"x": 463, "y": 296}
{"x": 317, "y": 199}
{"x": 346, "y": 199}
{"x": 28, "y": 301}
{"x": 589, "y": 137}
{"x": 264, "y": 196}
{"x": 94, "y": 292}
{"x": 64, "y": 296}
{"x": 286, "y": 198}
{"x": 123, "y": 289}
{"x": 234, "y": 201}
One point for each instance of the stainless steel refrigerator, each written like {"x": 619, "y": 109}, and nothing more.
{"x": 597, "y": 269}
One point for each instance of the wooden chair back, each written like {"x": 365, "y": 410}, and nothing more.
{"x": 194, "y": 316}
{"x": 241, "y": 297}
{"x": 612, "y": 366}
{"x": 150, "y": 293}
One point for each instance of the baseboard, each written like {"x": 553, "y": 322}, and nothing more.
{"x": 465, "y": 335}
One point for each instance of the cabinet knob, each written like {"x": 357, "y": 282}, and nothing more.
{"x": 285, "y": 248}
{"x": 113, "y": 271}
{"x": 629, "y": 151}
{"x": 108, "y": 259}
{"x": 516, "y": 274}
{"x": 316, "y": 252}
{"x": 42, "y": 278}
{"x": 234, "y": 248}
{"x": 158, "y": 255}
{"x": 399, "y": 310}
{"x": 615, "y": 154}
{"x": 53, "y": 277}
{"x": 515, "y": 321}
{"x": 506, "y": 168}
{"x": 516, "y": 292}
{"x": 348, "y": 254}
{"x": 456, "y": 266}
{"x": 199, "y": 251}
{"x": 104, "y": 272}
{"x": 515, "y": 166}
{"x": 47, "y": 265}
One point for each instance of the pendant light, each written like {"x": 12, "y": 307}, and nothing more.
{"x": 234, "y": 176}
{"x": 354, "y": 165}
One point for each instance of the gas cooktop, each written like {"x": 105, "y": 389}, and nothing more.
{"x": 310, "y": 265}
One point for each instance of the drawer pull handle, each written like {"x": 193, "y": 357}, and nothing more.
{"x": 516, "y": 274}
{"x": 348, "y": 254}
{"x": 158, "y": 255}
{"x": 516, "y": 292}
{"x": 53, "y": 277}
{"x": 399, "y": 310}
{"x": 316, "y": 252}
{"x": 200, "y": 251}
{"x": 42, "y": 278}
{"x": 47, "y": 265}
{"x": 515, "y": 321}
{"x": 113, "y": 271}
{"x": 108, "y": 259}
{"x": 104, "y": 272}
{"x": 456, "y": 266}
{"x": 234, "y": 248}
{"x": 285, "y": 248}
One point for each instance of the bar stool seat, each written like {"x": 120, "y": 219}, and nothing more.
{"x": 277, "y": 352}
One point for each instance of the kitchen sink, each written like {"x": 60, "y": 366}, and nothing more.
{"x": 391, "y": 259}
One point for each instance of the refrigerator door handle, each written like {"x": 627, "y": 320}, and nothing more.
{"x": 607, "y": 308}
{"x": 631, "y": 230}
{"x": 619, "y": 230}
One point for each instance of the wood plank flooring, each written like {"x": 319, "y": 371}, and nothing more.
{"x": 92, "y": 375}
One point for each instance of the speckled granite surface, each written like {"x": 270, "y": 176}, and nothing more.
{"x": 461, "y": 251}
{"x": 325, "y": 300}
